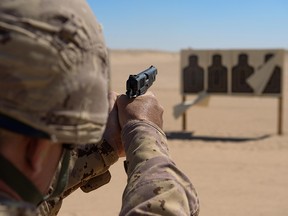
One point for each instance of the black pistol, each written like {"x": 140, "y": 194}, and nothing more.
{"x": 138, "y": 84}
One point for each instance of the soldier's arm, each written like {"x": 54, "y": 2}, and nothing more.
{"x": 155, "y": 185}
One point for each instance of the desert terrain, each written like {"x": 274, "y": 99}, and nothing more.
{"x": 230, "y": 150}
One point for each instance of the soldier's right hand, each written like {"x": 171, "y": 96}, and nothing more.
{"x": 145, "y": 107}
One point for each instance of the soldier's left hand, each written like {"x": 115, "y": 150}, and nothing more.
{"x": 112, "y": 132}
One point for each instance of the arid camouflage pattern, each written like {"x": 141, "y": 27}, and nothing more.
{"x": 155, "y": 185}
{"x": 13, "y": 208}
{"x": 54, "y": 68}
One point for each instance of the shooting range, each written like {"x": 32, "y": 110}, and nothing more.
{"x": 230, "y": 72}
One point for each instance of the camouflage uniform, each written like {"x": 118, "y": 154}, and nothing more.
{"x": 13, "y": 208}
{"x": 155, "y": 185}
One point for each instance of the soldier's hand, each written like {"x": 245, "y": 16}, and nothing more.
{"x": 113, "y": 130}
{"x": 145, "y": 107}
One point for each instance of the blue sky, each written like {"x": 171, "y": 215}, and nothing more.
{"x": 172, "y": 25}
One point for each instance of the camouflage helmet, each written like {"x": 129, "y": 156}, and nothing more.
{"x": 53, "y": 68}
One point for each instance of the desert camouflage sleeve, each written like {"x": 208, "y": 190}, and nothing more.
{"x": 91, "y": 167}
{"x": 155, "y": 185}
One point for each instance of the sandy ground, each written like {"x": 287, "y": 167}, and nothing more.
{"x": 230, "y": 151}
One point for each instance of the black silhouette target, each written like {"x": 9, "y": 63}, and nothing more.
{"x": 217, "y": 76}
{"x": 193, "y": 76}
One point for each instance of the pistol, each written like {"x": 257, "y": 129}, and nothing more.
{"x": 137, "y": 85}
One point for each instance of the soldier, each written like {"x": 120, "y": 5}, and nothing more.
{"x": 53, "y": 111}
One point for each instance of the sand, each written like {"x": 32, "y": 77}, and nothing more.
{"x": 230, "y": 151}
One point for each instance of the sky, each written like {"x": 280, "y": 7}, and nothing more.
{"x": 172, "y": 25}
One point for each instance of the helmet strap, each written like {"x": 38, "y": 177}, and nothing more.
{"x": 25, "y": 188}
{"x": 62, "y": 175}
{"x": 13, "y": 177}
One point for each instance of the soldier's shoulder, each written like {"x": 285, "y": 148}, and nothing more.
{"x": 8, "y": 208}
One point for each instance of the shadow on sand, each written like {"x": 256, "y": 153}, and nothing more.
{"x": 172, "y": 135}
